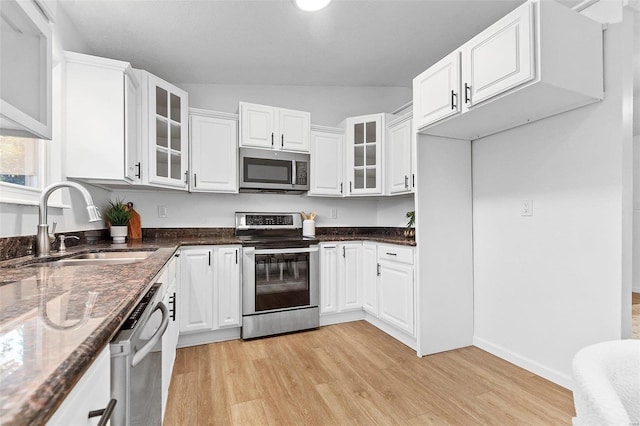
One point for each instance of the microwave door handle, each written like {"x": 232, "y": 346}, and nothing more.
{"x": 142, "y": 353}
{"x": 294, "y": 173}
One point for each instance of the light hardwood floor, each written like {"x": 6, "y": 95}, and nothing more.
{"x": 353, "y": 373}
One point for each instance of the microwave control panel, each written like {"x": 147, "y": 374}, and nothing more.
{"x": 301, "y": 172}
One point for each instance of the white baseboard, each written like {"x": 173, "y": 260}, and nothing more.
{"x": 535, "y": 367}
{"x": 337, "y": 318}
{"x": 195, "y": 339}
{"x": 393, "y": 332}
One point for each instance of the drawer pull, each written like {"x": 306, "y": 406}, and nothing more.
{"x": 104, "y": 413}
{"x": 391, "y": 254}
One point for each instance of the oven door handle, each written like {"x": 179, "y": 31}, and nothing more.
{"x": 287, "y": 251}
{"x": 142, "y": 353}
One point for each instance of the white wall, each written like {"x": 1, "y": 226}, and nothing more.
{"x": 547, "y": 285}
{"x": 328, "y": 105}
{"x": 217, "y": 210}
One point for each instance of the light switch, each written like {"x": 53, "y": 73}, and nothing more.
{"x": 526, "y": 208}
{"x": 162, "y": 211}
{"x": 334, "y": 213}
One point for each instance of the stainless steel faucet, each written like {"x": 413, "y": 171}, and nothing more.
{"x": 43, "y": 244}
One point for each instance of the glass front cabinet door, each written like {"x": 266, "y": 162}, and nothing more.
{"x": 168, "y": 134}
{"x": 365, "y": 138}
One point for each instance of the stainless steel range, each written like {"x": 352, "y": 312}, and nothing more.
{"x": 280, "y": 274}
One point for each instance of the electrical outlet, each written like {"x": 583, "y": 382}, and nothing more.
{"x": 162, "y": 211}
{"x": 526, "y": 209}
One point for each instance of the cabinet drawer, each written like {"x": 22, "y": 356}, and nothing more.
{"x": 395, "y": 253}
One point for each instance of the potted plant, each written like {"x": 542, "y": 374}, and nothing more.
{"x": 118, "y": 216}
{"x": 410, "y": 232}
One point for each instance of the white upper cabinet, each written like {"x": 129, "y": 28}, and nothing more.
{"x": 101, "y": 106}
{"x": 213, "y": 151}
{"x": 400, "y": 137}
{"x": 294, "y": 130}
{"x": 521, "y": 69}
{"x": 499, "y": 58}
{"x": 263, "y": 126}
{"x": 165, "y": 132}
{"x": 365, "y": 141}
{"x": 327, "y": 162}
{"x": 258, "y": 125}
{"x": 436, "y": 92}
{"x": 25, "y": 70}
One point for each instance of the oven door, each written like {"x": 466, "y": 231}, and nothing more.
{"x": 279, "y": 279}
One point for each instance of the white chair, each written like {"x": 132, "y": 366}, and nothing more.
{"x": 607, "y": 384}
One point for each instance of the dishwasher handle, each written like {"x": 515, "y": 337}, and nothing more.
{"x": 139, "y": 355}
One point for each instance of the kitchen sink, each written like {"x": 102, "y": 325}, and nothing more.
{"x": 100, "y": 258}
{"x": 107, "y": 255}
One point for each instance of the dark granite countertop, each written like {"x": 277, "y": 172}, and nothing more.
{"x": 40, "y": 364}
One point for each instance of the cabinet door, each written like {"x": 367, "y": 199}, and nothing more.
{"x": 92, "y": 392}
{"x": 364, "y": 149}
{"x": 227, "y": 298}
{"x": 25, "y": 71}
{"x": 436, "y": 92}
{"x": 133, "y": 164}
{"x": 399, "y": 158}
{"x": 258, "y": 125}
{"x": 169, "y": 343}
{"x": 295, "y": 129}
{"x": 168, "y": 134}
{"x": 395, "y": 297}
{"x": 328, "y": 278}
{"x": 326, "y": 164}
{"x": 350, "y": 283}
{"x": 499, "y": 58}
{"x": 214, "y": 154}
{"x": 195, "y": 298}
{"x": 369, "y": 279}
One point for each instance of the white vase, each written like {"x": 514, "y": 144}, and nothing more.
{"x": 119, "y": 233}
{"x": 308, "y": 228}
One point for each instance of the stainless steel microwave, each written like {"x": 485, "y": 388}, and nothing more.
{"x": 263, "y": 170}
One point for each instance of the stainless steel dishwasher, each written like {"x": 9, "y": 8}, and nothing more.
{"x": 136, "y": 363}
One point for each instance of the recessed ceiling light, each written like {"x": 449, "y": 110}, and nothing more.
{"x": 311, "y": 5}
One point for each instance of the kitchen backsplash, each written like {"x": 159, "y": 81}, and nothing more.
{"x": 12, "y": 247}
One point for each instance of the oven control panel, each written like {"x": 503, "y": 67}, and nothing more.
{"x": 247, "y": 221}
{"x": 253, "y": 220}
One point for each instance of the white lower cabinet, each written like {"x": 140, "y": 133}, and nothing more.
{"x": 340, "y": 281}
{"x": 395, "y": 289}
{"x": 374, "y": 278}
{"x": 209, "y": 296}
{"x": 369, "y": 278}
{"x": 396, "y": 293}
{"x": 91, "y": 393}
{"x": 170, "y": 338}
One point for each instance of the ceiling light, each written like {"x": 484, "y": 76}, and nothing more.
{"x": 311, "y": 5}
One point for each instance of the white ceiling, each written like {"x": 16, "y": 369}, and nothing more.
{"x": 351, "y": 43}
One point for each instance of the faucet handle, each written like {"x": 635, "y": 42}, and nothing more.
{"x": 52, "y": 234}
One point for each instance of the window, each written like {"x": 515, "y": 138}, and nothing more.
{"x": 22, "y": 169}
{"x": 20, "y": 160}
